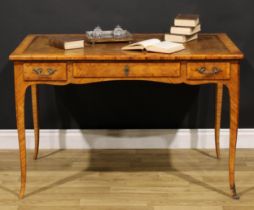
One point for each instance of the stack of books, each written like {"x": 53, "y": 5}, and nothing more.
{"x": 185, "y": 29}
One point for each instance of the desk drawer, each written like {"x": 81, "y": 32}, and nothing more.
{"x": 45, "y": 71}
{"x": 208, "y": 70}
{"x": 119, "y": 70}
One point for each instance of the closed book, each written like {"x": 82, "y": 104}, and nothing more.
{"x": 180, "y": 38}
{"x": 185, "y": 30}
{"x": 190, "y": 20}
{"x": 66, "y": 43}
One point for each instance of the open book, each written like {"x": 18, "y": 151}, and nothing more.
{"x": 155, "y": 45}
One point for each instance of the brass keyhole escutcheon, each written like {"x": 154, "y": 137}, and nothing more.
{"x": 126, "y": 70}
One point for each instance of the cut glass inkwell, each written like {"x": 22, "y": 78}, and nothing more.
{"x": 97, "y": 32}
{"x": 118, "y": 34}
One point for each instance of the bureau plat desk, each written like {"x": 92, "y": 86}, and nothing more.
{"x": 212, "y": 59}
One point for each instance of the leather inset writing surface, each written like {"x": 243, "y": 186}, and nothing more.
{"x": 208, "y": 46}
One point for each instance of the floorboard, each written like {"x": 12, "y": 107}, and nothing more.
{"x": 126, "y": 179}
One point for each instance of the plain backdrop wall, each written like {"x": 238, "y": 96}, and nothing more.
{"x": 124, "y": 104}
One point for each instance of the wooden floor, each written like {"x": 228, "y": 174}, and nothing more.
{"x": 127, "y": 179}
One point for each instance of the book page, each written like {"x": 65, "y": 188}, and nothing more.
{"x": 167, "y": 45}
{"x": 141, "y": 45}
{"x": 148, "y": 42}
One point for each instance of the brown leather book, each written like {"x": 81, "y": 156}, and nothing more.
{"x": 188, "y": 20}
{"x": 66, "y": 43}
{"x": 180, "y": 38}
{"x": 185, "y": 30}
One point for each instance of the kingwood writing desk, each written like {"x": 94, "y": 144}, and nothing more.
{"x": 212, "y": 59}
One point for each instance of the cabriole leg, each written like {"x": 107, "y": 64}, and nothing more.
{"x": 20, "y": 92}
{"x": 233, "y": 88}
{"x": 218, "y": 106}
{"x": 35, "y": 120}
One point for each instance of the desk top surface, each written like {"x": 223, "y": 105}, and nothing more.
{"x": 206, "y": 47}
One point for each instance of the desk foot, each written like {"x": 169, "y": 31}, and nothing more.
{"x": 22, "y": 192}
{"x": 235, "y": 196}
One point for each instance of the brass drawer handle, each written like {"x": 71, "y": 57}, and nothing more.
{"x": 40, "y": 72}
{"x": 203, "y": 70}
{"x": 126, "y": 70}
